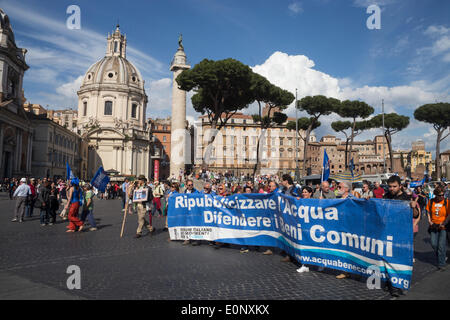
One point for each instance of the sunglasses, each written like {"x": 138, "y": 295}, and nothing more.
{"x": 439, "y": 195}
{"x": 189, "y": 185}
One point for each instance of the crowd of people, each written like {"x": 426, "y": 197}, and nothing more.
{"x": 72, "y": 201}
{"x": 434, "y": 206}
{"x": 62, "y": 198}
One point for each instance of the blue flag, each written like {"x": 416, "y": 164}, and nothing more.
{"x": 70, "y": 175}
{"x": 326, "y": 166}
{"x": 351, "y": 166}
{"x": 100, "y": 180}
{"x": 414, "y": 184}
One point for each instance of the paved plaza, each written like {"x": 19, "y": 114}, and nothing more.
{"x": 34, "y": 261}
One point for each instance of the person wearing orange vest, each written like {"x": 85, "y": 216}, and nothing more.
{"x": 438, "y": 210}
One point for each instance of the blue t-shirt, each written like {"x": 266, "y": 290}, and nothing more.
{"x": 77, "y": 196}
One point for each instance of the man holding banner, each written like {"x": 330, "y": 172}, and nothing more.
{"x": 141, "y": 206}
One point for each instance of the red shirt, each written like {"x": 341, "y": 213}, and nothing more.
{"x": 378, "y": 192}
{"x": 33, "y": 190}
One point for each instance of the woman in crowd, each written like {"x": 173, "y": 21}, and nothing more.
{"x": 307, "y": 193}
{"x": 174, "y": 188}
{"x": 54, "y": 203}
{"x": 74, "y": 197}
{"x": 88, "y": 207}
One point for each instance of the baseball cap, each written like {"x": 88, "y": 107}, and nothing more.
{"x": 23, "y": 180}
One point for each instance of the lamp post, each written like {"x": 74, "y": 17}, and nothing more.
{"x": 297, "y": 174}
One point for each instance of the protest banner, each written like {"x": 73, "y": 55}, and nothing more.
{"x": 351, "y": 235}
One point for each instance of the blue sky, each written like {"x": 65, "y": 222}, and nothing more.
{"x": 318, "y": 47}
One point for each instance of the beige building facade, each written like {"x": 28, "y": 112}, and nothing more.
{"x": 16, "y": 132}
{"x": 53, "y": 147}
{"x": 235, "y": 147}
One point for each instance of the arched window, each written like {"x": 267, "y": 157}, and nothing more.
{"x": 134, "y": 110}
{"x": 108, "y": 108}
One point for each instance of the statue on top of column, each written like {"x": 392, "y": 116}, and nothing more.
{"x": 180, "y": 41}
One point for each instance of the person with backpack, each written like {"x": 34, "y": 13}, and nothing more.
{"x": 43, "y": 202}
{"x": 158, "y": 192}
{"x": 438, "y": 210}
{"x": 88, "y": 207}
{"x": 74, "y": 201}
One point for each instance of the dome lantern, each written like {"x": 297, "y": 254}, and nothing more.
{"x": 117, "y": 44}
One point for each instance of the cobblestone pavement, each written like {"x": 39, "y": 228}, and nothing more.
{"x": 34, "y": 261}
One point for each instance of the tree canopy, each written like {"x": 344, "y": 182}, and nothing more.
{"x": 393, "y": 123}
{"x": 437, "y": 114}
{"x": 222, "y": 88}
{"x": 315, "y": 106}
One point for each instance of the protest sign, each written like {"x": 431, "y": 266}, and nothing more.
{"x": 345, "y": 234}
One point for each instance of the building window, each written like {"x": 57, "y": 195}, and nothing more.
{"x": 133, "y": 110}
{"x": 84, "y": 109}
{"x": 108, "y": 108}
{"x": 164, "y": 138}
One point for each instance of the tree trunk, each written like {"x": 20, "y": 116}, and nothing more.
{"x": 207, "y": 154}
{"x": 305, "y": 151}
{"x": 438, "y": 151}
{"x": 346, "y": 154}
{"x": 351, "y": 141}
{"x": 255, "y": 168}
{"x": 391, "y": 156}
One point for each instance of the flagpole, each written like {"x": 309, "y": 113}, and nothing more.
{"x": 321, "y": 180}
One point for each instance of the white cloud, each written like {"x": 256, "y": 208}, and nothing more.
{"x": 367, "y": 3}
{"x": 437, "y": 30}
{"x": 290, "y": 72}
{"x": 68, "y": 53}
{"x": 295, "y": 7}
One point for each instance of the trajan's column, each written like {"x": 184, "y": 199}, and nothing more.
{"x": 178, "y": 125}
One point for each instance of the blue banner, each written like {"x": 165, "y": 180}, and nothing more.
{"x": 70, "y": 175}
{"x": 414, "y": 184}
{"x": 100, "y": 180}
{"x": 353, "y": 235}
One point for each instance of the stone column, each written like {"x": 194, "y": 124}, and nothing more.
{"x": 1, "y": 143}
{"x": 29, "y": 152}
{"x": 178, "y": 124}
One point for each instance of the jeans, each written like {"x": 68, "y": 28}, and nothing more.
{"x": 29, "y": 209}
{"x": 90, "y": 216}
{"x": 44, "y": 215}
{"x": 439, "y": 245}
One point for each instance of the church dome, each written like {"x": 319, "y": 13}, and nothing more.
{"x": 114, "y": 68}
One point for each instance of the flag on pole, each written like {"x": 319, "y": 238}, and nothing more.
{"x": 326, "y": 166}
{"x": 100, "y": 180}
{"x": 70, "y": 175}
{"x": 351, "y": 166}
{"x": 414, "y": 184}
